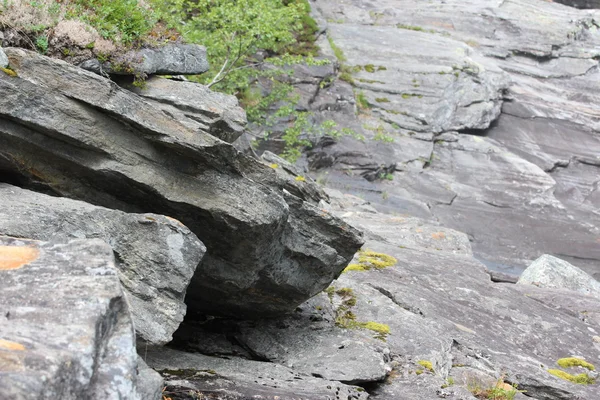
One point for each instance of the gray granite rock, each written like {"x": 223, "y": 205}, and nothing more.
{"x": 84, "y": 137}
{"x": 196, "y": 106}
{"x": 66, "y": 328}
{"x": 221, "y": 378}
{"x": 156, "y": 256}
{"x": 552, "y": 272}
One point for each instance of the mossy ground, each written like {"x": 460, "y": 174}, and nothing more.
{"x": 368, "y": 260}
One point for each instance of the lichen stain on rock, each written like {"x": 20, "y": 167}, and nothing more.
{"x": 14, "y": 257}
{"x": 8, "y": 345}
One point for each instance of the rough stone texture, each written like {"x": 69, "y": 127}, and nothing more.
{"x": 196, "y": 106}
{"x": 491, "y": 114}
{"x": 552, "y": 272}
{"x": 242, "y": 379}
{"x": 440, "y": 305}
{"x": 79, "y": 135}
{"x": 171, "y": 59}
{"x": 155, "y": 255}
{"x": 149, "y": 382}
{"x": 3, "y": 59}
{"x": 66, "y": 331}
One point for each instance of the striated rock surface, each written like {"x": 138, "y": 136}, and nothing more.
{"x": 488, "y": 111}
{"x": 77, "y": 134}
{"x": 156, "y": 256}
{"x": 220, "y": 378}
{"x": 552, "y": 272}
{"x": 196, "y": 106}
{"x": 65, "y": 330}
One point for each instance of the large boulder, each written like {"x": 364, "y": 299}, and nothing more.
{"x": 156, "y": 256}
{"x": 78, "y": 134}
{"x": 66, "y": 328}
{"x": 552, "y": 272}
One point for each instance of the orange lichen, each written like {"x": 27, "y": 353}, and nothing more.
{"x": 8, "y": 345}
{"x": 14, "y": 257}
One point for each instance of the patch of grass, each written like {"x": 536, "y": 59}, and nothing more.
{"x": 411, "y": 95}
{"x": 339, "y": 54}
{"x": 414, "y": 28}
{"x": 41, "y": 42}
{"x": 382, "y": 100}
{"x": 123, "y": 21}
{"x": 361, "y": 101}
{"x": 500, "y": 391}
{"x": 426, "y": 364}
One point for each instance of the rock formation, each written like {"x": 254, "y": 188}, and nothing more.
{"x": 86, "y": 138}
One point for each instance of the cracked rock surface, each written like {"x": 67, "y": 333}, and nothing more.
{"x": 489, "y": 111}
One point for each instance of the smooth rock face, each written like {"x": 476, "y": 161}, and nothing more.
{"x": 66, "y": 331}
{"x": 490, "y": 112}
{"x": 196, "y": 106}
{"x": 3, "y": 59}
{"x": 171, "y": 59}
{"x": 156, "y": 256}
{"x": 84, "y": 137}
{"x": 552, "y": 272}
{"x": 242, "y": 379}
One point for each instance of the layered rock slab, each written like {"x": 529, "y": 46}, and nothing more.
{"x": 79, "y": 135}
{"x": 242, "y": 379}
{"x": 66, "y": 331}
{"x": 155, "y": 256}
{"x": 549, "y": 120}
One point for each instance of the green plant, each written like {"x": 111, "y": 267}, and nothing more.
{"x": 426, "y": 364}
{"x": 499, "y": 391}
{"x": 41, "y": 42}
{"x": 124, "y": 20}
{"x": 339, "y": 54}
{"x": 361, "y": 101}
{"x": 369, "y": 259}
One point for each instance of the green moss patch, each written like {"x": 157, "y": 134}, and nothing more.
{"x": 426, "y": 364}
{"x": 368, "y": 260}
{"x": 575, "y": 362}
{"x": 581, "y": 379}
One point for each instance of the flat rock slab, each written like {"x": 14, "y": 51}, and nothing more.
{"x": 268, "y": 250}
{"x": 196, "y": 106}
{"x": 156, "y": 256}
{"x": 65, "y": 330}
{"x": 171, "y": 59}
{"x": 241, "y": 379}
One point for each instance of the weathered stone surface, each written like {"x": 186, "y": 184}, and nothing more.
{"x": 3, "y": 59}
{"x": 196, "y": 106}
{"x": 66, "y": 331}
{"x": 552, "y": 272}
{"x": 242, "y": 379}
{"x": 442, "y": 307}
{"x": 84, "y": 137}
{"x": 171, "y": 59}
{"x": 529, "y": 184}
{"x": 149, "y": 382}
{"x": 155, "y": 255}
